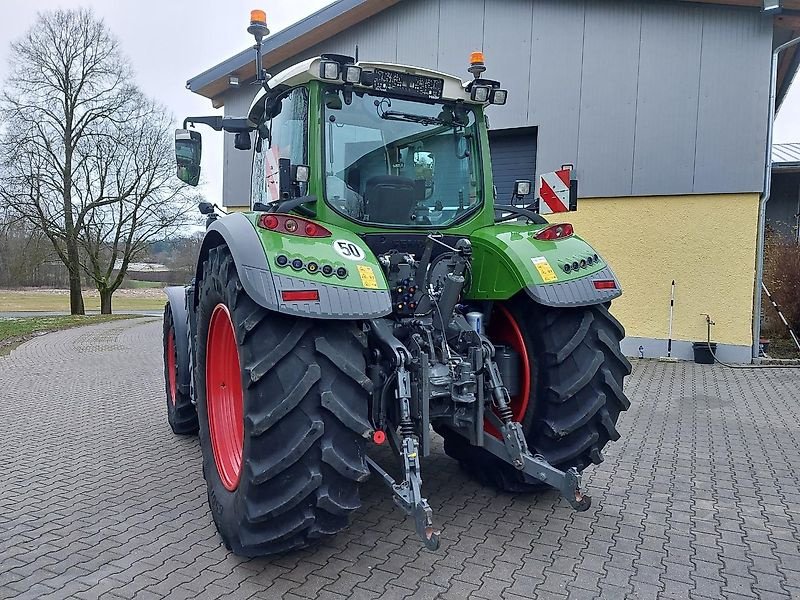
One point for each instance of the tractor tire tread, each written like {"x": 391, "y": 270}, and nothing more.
{"x": 305, "y": 407}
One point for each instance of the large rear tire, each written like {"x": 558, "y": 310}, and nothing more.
{"x": 573, "y": 371}
{"x": 181, "y": 413}
{"x": 284, "y": 444}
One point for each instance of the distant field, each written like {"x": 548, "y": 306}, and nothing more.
{"x": 36, "y": 299}
{"x": 139, "y": 284}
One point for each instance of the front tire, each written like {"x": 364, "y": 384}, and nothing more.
{"x": 284, "y": 445}
{"x": 574, "y": 376}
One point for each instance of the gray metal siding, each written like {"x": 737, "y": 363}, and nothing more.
{"x": 554, "y": 92}
{"x": 503, "y": 54}
{"x": 643, "y": 97}
{"x": 612, "y": 31}
{"x": 666, "y": 111}
{"x": 734, "y": 94}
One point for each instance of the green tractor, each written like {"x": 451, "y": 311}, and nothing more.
{"x": 376, "y": 292}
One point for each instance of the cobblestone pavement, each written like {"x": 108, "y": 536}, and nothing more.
{"x": 98, "y": 498}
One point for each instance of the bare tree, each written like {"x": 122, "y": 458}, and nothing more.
{"x": 68, "y": 81}
{"x": 133, "y": 163}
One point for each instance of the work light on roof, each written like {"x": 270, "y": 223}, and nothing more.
{"x": 329, "y": 69}
{"x": 480, "y": 93}
{"x": 352, "y": 74}
{"x": 499, "y": 96}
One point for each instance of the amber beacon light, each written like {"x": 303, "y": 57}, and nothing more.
{"x": 258, "y": 17}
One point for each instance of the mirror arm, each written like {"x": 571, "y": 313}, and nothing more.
{"x": 238, "y": 125}
{"x": 217, "y": 123}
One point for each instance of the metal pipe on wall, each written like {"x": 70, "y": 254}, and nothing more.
{"x": 762, "y": 209}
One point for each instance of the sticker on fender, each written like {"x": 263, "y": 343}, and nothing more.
{"x": 545, "y": 270}
{"x": 367, "y": 276}
{"x": 349, "y": 250}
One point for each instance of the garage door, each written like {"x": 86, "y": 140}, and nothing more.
{"x": 513, "y": 157}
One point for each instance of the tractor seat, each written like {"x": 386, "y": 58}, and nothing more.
{"x": 389, "y": 199}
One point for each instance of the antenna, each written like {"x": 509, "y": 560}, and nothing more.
{"x": 258, "y": 29}
{"x": 356, "y": 56}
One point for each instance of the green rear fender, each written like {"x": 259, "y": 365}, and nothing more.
{"x": 508, "y": 259}
{"x": 354, "y": 289}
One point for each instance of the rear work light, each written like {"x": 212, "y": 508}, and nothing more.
{"x": 292, "y": 225}
{"x": 605, "y": 284}
{"x": 300, "y": 295}
{"x": 329, "y": 69}
{"x": 555, "y": 232}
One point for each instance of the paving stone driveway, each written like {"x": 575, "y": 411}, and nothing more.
{"x": 98, "y": 498}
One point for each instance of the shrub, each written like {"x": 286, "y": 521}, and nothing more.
{"x": 782, "y": 278}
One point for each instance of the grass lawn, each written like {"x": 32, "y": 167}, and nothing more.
{"x": 30, "y": 299}
{"x": 15, "y": 331}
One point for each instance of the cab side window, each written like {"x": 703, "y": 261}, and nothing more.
{"x": 288, "y": 139}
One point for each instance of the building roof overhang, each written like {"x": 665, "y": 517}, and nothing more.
{"x": 341, "y": 14}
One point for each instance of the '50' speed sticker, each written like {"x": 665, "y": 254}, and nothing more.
{"x": 349, "y": 250}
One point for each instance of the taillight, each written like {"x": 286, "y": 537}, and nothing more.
{"x": 292, "y": 225}
{"x": 605, "y": 284}
{"x": 300, "y": 295}
{"x": 555, "y": 232}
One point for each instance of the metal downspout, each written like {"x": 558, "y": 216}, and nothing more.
{"x": 762, "y": 210}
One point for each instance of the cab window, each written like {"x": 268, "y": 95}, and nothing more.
{"x": 288, "y": 138}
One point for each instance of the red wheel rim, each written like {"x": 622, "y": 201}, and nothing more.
{"x": 172, "y": 367}
{"x": 504, "y": 329}
{"x": 224, "y": 397}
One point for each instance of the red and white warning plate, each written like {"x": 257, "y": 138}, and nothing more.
{"x": 554, "y": 191}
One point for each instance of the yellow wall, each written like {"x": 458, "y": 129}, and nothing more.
{"x": 707, "y": 244}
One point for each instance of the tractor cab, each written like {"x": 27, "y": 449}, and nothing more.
{"x": 375, "y": 144}
{"x": 398, "y": 146}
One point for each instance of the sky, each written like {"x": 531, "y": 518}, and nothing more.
{"x": 169, "y": 41}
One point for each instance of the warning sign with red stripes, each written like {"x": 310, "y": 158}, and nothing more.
{"x": 554, "y": 191}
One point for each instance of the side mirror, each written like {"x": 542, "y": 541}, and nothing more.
{"x": 188, "y": 151}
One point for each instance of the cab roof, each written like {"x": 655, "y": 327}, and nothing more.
{"x": 308, "y": 70}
